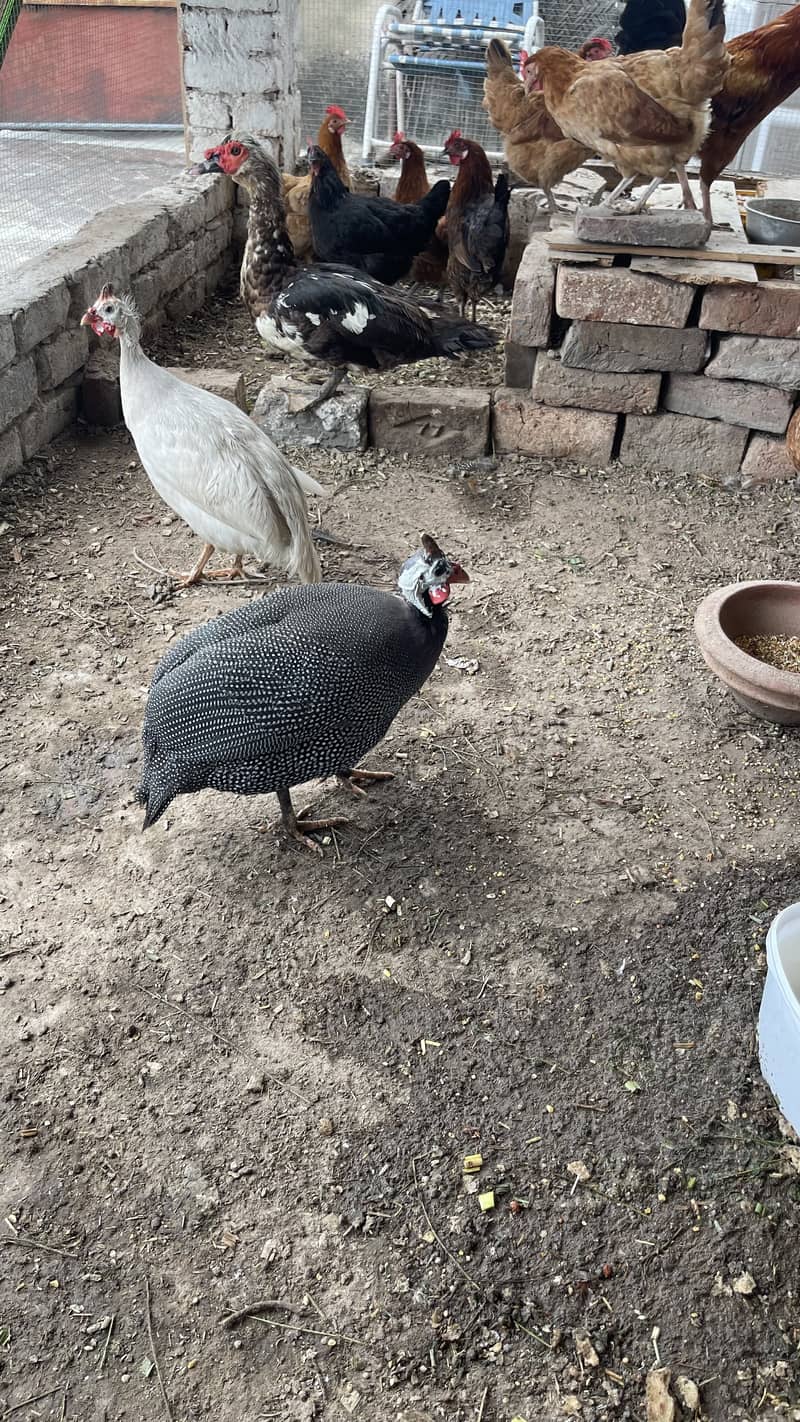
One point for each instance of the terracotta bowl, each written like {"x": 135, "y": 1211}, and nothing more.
{"x": 752, "y": 610}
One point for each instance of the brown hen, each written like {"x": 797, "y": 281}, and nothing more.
{"x": 430, "y": 266}
{"x": 297, "y": 188}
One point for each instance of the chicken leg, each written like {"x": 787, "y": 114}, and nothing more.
{"x": 329, "y": 388}
{"x": 295, "y": 824}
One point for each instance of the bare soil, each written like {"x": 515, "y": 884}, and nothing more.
{"x": 236, "y": 1073}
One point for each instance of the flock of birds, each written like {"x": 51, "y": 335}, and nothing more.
{"x": 303, "y": 683}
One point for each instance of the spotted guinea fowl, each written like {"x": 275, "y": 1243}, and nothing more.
{"x": 208, "y": 460}
{"x": 326, "y": 314}
{"x": 293, "y": 687}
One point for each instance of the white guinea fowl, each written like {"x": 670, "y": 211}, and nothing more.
{"x": 208, "y": 460}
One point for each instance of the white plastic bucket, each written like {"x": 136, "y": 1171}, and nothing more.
{"x": 779, "y": 1018}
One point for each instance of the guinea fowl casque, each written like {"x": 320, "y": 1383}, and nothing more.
{"x": 325, "y": 314}
{"x": 293, "y": 687}
{"x": 375, "y": 234}
{"x": 477, "y": 222}
{"x": 208, "y": 460}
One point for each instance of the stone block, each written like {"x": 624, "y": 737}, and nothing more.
{"x": 58, "y": 359}
{"x": 8, "y": 346}
{"x": 602, "y": 345}
{"x": 680, "y": 444}
{"x": 216, "y": 239}
{"x": 620, "y": 295}
{"x": 521, "y": 426}
{"x": 525, "y": 218}
{"x": 557, "y": 384}
{"x": 229, "y": 384}
{"x": 10, "y": 454}
{"x": 739, "y": 402}
{"x": 520, "y": 361}
{"x": 764, "y": 308}
{"x": 257, "y": 113}
{"x": 341, "y": 423}
{"x": 100, "y": 399}
{"x": 188, "y": 298}
{"x": 36, "y": 301}
{"x": 18, "y": 390}
{"x": 185, "y": 205}
{"x": 773, "y": 362}
{"x": 660, "y": 227}
{"x": 230, "y": 58}
{"x": 219, "y": 192}
{"x": 532, "y": 302}
{"x": 766, "y": 460}
{"x": 422, "y": 420}
{"x": 50, "y": 415}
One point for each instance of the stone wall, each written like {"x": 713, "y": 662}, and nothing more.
{"x": 240, "y": 71}
{"x": 662, "y": 373}
{"x": 169, "y": 249}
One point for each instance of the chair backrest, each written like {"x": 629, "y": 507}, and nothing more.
{"x": 485, "y": 13}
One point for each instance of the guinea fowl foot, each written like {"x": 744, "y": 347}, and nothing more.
{"x": 295, "y": 825}
{"x": 353, "y": 779}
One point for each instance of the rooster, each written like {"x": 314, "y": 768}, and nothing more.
{"x": 533, "y": 143}
{"x": 429, "y": 267}
{"x": 373, "y": 233}
{"x": 477, "y": 222}
{"x": 297, "y": 188}
{"x": 648, "y": 113}
{"x": 336, "y": 316}
{"x": 764, "y": 71}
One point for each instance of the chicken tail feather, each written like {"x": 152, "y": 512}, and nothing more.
{"x": 498, "y": 57}
{"x": 454, "y": 338}
{"x": 704, "y": 59}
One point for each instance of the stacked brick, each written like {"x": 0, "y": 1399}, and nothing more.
{"x": 170, "y": 249}
{"x": 606, "y": 361}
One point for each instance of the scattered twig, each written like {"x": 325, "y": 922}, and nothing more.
{"x": 154, "y": 1350}
{"x": 315, "y": 1332}
{"x": 230, "y": 1320}
{"x": 105, "y": 1345}
{"x": 30, "y": 1400}
{"x": 27, "y": 1242}
{"x": 192, "y": 1016}
{"x": 482, "y": 1405}
{"x": 63, "y": 1412}
{"x": 10, "y": 952}
{"x": 460, "y": 1267}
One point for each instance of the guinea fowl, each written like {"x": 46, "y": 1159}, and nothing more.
{"x": 293, "y": 687}
{"x": 477, "y": 222}
{"x": 328, "y": 315}
{"x": 375, "y": 234}
{"x": 208, "y": 460}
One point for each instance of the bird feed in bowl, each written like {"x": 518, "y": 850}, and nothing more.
{"x": 777, "y": 651}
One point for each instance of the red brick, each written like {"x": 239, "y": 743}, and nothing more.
{"x": 424, "y": 420}
{"x": 620, "y": 295}
{"x": 521, "y": 426}
{"x": 680, "y": 444}
{"x": 740, "y": 402}
{"x": 560, "y": 385}
{"x": 766, "y": 459}
{"x": 764, "y": 308}
{"x": 532, "y": 302}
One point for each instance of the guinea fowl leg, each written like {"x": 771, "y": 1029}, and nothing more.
{"x": 353, "y": 779}
{"x": 331, "y": 385}
{"x": 295, "y": 824}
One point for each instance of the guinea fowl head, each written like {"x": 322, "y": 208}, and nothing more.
{"x": 112, "y": 315}
{"x": 425, "y": 577}
{"x": 336, "y": 119}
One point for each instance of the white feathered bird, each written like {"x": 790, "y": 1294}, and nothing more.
{"x": 208, "y": 460}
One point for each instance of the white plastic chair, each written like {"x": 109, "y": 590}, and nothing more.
{"x": 445, "y": 37}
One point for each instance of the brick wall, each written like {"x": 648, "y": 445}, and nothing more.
{"x": 169, "y": 248}
{"x": 606, "y": 361}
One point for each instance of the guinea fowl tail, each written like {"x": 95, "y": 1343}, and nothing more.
{"x": 454, "y": 338}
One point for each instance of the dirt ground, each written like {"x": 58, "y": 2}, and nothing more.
{"x": 236, "y": 1073}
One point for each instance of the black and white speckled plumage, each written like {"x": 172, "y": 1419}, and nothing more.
{"x": 298, "y": 685}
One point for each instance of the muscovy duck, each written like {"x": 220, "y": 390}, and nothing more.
{"x": 208, "y": 460}
{"x": 326, "y": 314}
{"x": 292, "y": 687}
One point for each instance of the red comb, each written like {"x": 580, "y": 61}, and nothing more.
{"x": 455, "y": 134}
{"x": 399, "y": 137}
{"x": 336, "y": 112}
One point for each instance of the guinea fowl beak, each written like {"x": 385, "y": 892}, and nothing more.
{"x": 88, "y": 317}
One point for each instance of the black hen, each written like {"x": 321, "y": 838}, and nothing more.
{"x": 477, "y": 222}
{"x": 376, "y": 235}
{"x": 650, "y": 24}
{"x": 293, "y": 687}
{"x": 333, "y": 315}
